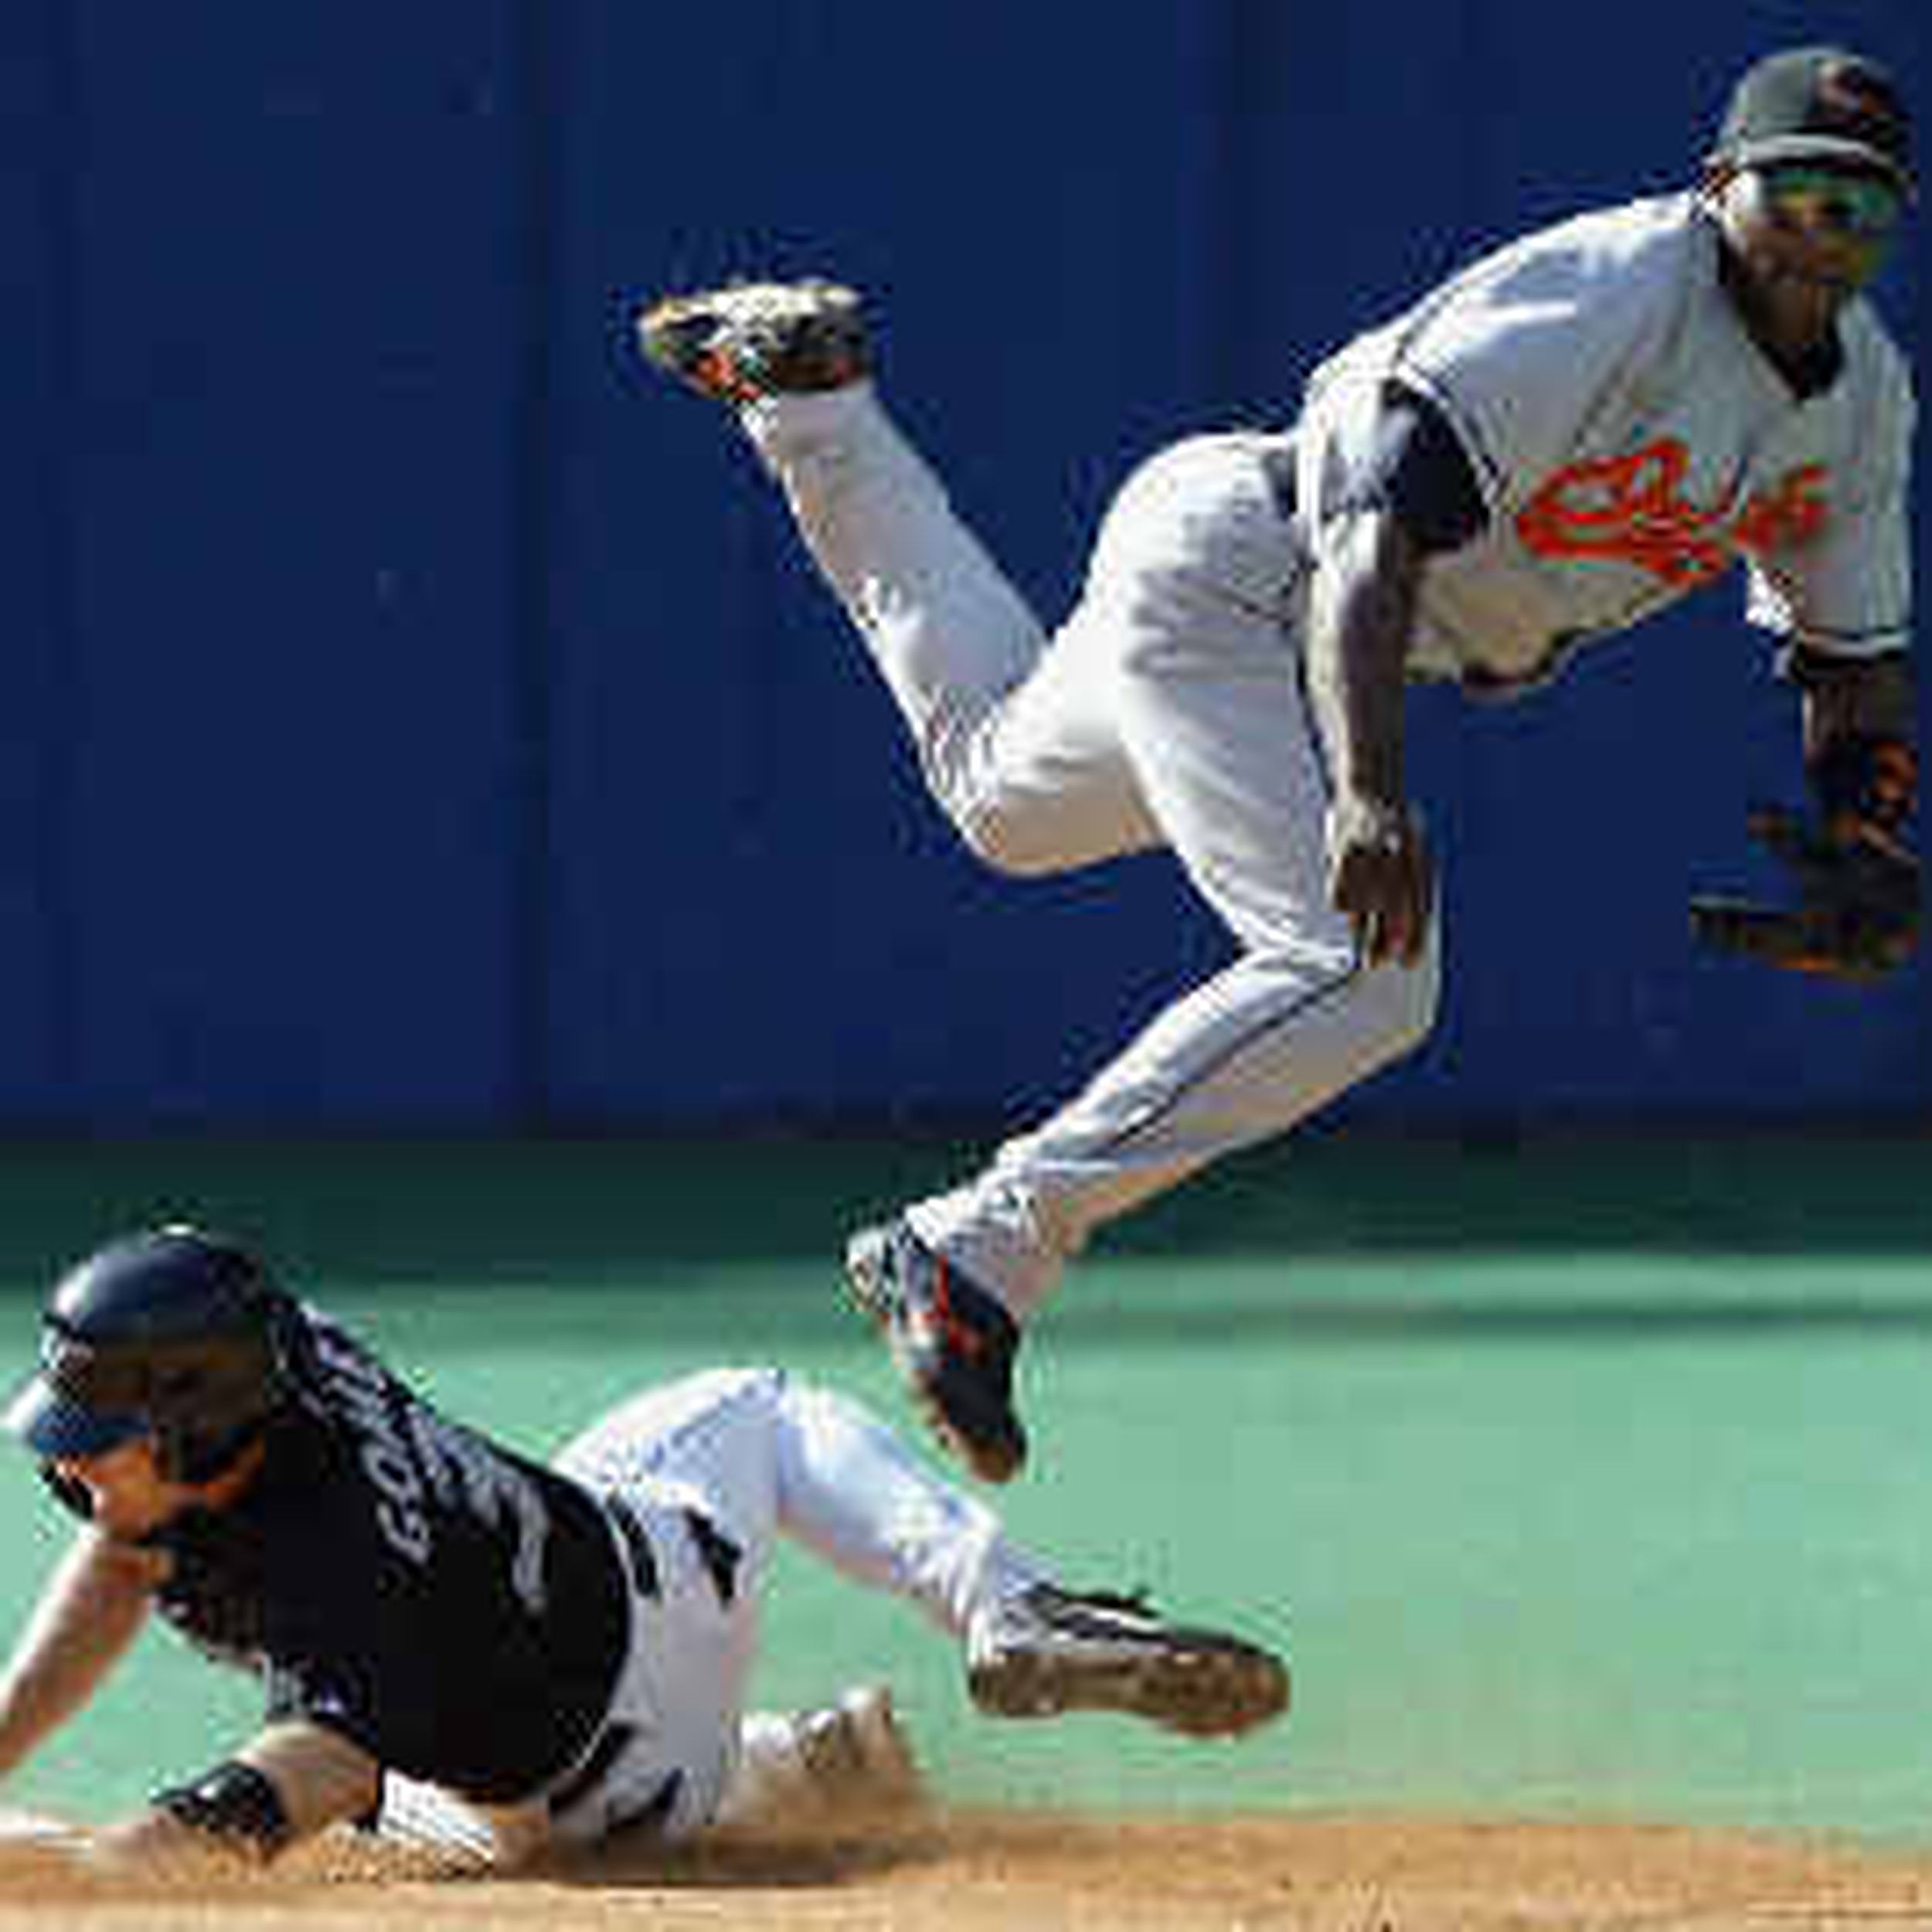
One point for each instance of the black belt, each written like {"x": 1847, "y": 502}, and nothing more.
{"x": 1277, "y": 465}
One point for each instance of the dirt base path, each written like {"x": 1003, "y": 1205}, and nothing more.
{"x": 990, "y": 1872}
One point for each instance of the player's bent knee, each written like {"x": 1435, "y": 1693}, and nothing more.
{"x": 1385, "y": 1013}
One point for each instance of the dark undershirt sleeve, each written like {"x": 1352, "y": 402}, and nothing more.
{"x": 1416, "y": 465}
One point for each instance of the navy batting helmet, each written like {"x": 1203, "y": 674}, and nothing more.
{"x": 172, "y": 1334}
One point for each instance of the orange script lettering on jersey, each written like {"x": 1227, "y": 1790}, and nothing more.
{"x": 1633, "y": 508}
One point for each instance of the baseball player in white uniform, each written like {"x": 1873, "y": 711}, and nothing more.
{"x": 1571, "y": 433}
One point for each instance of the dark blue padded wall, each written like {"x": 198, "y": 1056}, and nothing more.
{"x": 755, "y": 905}
{"x": 414, "y": 715}
{"x": 34, "y": 132}
{"x": 275, "y": 271}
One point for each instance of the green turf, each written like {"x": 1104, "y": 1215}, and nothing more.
{"x": 1576, "y": 1478}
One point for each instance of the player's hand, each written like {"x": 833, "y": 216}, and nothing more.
{"x": 1380, "y": 875}
{"x": 31, "y": 1842}
{"x": 35, "y": 1828}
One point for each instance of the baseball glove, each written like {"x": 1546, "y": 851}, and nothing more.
{"x": 1856, "y": 913}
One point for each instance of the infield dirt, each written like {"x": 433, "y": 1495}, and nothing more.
{"x": 983, "y": 1872}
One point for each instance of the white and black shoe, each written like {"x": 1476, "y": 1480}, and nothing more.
{"x": 855, "y": 1755}
{"x": 1048, "y": 1651}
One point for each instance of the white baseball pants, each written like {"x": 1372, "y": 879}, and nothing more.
{"x": 1168, "y": 710}
{"x": 758, "y": 1455}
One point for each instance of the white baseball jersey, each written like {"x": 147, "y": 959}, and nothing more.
{"x": 1632, "y": 444}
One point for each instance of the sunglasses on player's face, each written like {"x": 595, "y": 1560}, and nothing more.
{"x": 1865, "y": 208}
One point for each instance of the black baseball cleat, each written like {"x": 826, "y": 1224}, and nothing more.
{"x": 1048, "y": 1651}
{"x": 954, "y": 1342}
{"x": 736, "y": 344}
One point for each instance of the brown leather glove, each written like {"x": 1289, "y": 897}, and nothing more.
{"x": 1856, "y": 914}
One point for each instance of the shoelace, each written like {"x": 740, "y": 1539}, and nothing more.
{"x": 1132, "y": 1603}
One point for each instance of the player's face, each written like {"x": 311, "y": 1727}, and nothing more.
{"x": 1862, "y": 209}
{"x": 126, "y": 1494}
{"x": 1808, "y": 237}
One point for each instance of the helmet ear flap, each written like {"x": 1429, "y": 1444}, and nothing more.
{"x": 209, "y": 1409}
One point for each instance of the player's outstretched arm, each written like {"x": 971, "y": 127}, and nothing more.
{"x": 92, "y": 1608}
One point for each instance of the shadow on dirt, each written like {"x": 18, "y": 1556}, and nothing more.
{"x": 803, "y": 1857}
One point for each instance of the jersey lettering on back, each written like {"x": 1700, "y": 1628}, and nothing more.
{"x": 412, "y": 1455}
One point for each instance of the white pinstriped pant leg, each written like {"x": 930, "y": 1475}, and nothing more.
{"x": 759, "y": 1455}
{"x": 1169, "y": 710}
{"x": 1018, "y": 743}
{"x": 762, "y": 1454}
